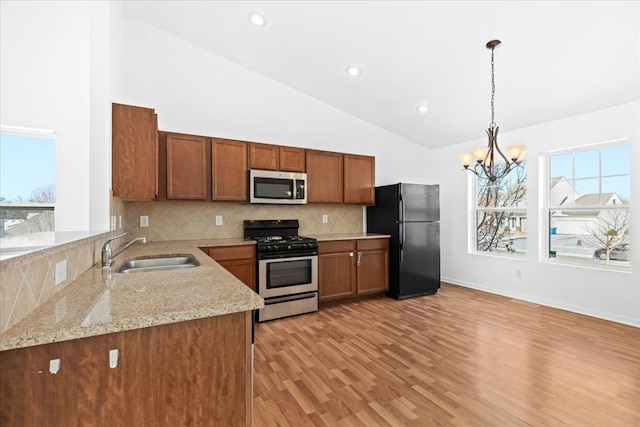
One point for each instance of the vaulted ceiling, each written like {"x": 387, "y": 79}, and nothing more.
{"x": 557, "y": 58}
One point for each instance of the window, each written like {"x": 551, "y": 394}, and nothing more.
{"x": 27, "y": 189}
{"x": 588, "y": 200}
{"x": 501, "y": 213}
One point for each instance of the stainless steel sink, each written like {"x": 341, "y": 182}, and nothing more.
{"x": 144, "y": 264}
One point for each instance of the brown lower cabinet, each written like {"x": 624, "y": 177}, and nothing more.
{"x": 348, "y": 268}
{"x": 196, "y": 372}
{"x": 239, "y": 260}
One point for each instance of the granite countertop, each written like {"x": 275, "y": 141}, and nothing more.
{"x": 348, "y": 236}
{"x": 101, "y": 301}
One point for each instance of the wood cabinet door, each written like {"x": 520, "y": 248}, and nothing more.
{"x": 196, "y": 372}
{"x": 84, "y": 391}
{"x": 239, "y": 260}
{"x": 324, "y": 177}
{"x": 186, "y": 167}
{"x": 243, "y": 269}
{"x": 373, "y": 271}
{"x": 292, "y": 159}
{"x": 359, "y": 179}
{"x": 229, "y": 170}
{"x": 336, "y": 276}
{"x": 134, "y": 152}
{"x": 263, "y": 156}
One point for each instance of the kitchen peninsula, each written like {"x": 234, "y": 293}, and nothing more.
{"x": 154, "y": 348}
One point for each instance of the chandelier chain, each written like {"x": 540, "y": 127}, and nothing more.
{"x": 493, "y": 92}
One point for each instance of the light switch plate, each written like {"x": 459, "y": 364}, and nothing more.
{"x": 61, "y": 272}
{"x": 218, "y": 219}
{"x": 144, "y": 221}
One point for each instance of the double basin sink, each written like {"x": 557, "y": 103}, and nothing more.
{"x": 149, "y": 263}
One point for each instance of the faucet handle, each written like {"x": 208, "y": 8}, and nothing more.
{"x": 106, "y": 244}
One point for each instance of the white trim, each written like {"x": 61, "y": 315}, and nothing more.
{"x": 22, "y": 131}
{"x": 588, "y": 147}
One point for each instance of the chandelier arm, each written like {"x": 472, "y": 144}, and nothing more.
{"x": 494, "y": 138}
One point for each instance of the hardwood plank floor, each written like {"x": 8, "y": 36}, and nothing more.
{"x": 460, "y": 357}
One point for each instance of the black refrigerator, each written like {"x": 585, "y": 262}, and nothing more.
{"x": 410, "y": 213}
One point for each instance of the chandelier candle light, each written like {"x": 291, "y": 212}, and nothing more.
{"x": 486, "y": 157}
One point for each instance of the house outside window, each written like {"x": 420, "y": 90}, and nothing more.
{"x": 27, "y": 189}
{"x": 500, "y": 213}
{"x": 588, "y": 205}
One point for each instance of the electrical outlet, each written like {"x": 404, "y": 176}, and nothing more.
{"x": 218, "y": 219}
{"x": 144, "y": 221}
{"x": 119, "y": 221}
{"x": 113, "y": 222}
{"x": 518, "y": 274}
{"x": 61, "y": 272}
{"x": 325, "y": 218}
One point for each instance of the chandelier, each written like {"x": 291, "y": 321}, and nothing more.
{"x": 486, "y": 157}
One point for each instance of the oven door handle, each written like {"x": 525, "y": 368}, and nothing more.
{"x": 292, "y": 256}
{"x": 287, "y": 298}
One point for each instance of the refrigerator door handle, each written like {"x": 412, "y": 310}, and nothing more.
{"x": 402, "y": 212}
{"x": 401, "y": 241}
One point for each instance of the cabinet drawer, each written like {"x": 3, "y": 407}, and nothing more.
{"x": 336, "y": 246}
{"x": 370, "y": 244}
{"x": 225, "y": 253}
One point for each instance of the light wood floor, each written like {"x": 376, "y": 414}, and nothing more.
{"x": 460, "y": 357}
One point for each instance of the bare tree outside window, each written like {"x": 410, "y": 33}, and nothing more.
{"x": 501, "y": 213}
{"x": 612, "y": 230}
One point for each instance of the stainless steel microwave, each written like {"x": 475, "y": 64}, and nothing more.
{"x": 277, "y": 187}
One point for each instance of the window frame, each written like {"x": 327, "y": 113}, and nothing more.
{"x": 546, "y": 208}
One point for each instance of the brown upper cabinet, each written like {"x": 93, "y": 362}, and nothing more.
{"x": 229, "y": 170}
{"x": 275, "y": 157}
{"x": 324, "y": 177}
{"x": 359, "y": 179}
{"x": 187, "y": 167}
{"x": 292, "y": 159}
{"x": 340, "y": 178}
{"x": 263, "y": 156}
{"x": 134, "y": 164}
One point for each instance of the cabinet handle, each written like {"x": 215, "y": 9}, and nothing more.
{"x": 113, "y": 358}
{"x": 54, "y": 366}
{"x": 358, "y": 263}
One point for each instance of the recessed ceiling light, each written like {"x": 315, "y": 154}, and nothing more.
{"x": 423, "y": 108}
{"x": 257, "y": 19}
{"x": 353, "y": 71}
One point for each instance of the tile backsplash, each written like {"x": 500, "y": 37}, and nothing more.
{"x": 197, "y": 220}
{"x": 29, "y": 280}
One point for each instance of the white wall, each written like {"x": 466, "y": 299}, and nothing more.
{"x": 195, "y": 91}
{"x": 55, "y": 75}
{"x": 606, "y": 294}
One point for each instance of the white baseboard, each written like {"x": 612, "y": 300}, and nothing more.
{"x": 547, "y": 303}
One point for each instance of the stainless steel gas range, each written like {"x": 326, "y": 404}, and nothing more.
{"x": 287, "y": 268}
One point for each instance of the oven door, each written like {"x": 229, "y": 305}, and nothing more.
{"x": 286, "y": 276}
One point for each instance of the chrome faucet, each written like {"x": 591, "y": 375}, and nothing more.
{"x": 107, "y": 253}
